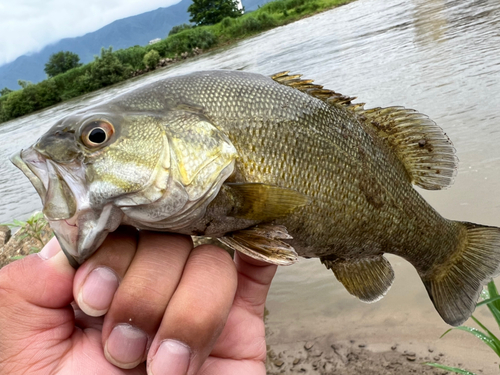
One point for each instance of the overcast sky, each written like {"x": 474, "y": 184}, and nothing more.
{"x": 29, "y": 25}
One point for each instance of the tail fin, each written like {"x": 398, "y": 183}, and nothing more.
{"x": 454, "y": 287}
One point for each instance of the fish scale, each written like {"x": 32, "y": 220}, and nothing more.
{"x": 268, "y": 171}
{"x": 275, "y": 167}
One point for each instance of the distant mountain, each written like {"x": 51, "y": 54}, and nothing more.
{"x": 127, "y": 32}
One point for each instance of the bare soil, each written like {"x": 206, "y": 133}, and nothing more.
{"x": 325, "y": 356}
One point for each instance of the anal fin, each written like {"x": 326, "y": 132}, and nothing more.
{"x": 263, "y": 242}
{"x": 368, "y": 278}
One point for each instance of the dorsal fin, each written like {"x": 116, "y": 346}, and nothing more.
{"x": 306, "y": 86}
{"x": 421, "y": 145}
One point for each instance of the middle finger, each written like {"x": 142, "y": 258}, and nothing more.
{"x": 140, "y": 301}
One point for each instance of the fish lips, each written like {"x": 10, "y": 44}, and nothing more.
{"x": 79, "y": 228}
{"x": 59, "y": 202}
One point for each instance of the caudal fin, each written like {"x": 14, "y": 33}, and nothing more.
{"x": 454, "y": 287}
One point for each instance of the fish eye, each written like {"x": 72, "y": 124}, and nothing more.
{"x": 97, "y": 133}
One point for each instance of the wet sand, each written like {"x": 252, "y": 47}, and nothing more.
{"x": 392, "y": 336}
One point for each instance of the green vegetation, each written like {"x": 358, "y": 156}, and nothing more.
{"x": 491, "y": 298}
{"x": 210, "y": 12}
{"x": 61, "y": 62}
{"x": 151, "y": 59}
{"x": 31, "y": 229}
{"x": 179, "y": 28}
{"x": 5, "y": 91}
{"x": 115, "y": 66}
{"x": 105, "y": 70}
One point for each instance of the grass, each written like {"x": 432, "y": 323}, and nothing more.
{"x": 32, "y": 228}
{"x": 491, "y": 299}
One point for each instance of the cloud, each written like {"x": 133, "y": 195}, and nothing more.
{"x": 27, "y": 26}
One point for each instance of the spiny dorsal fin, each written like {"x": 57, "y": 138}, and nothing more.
{"x": 422, "y": 146}
{"x": 305, "y": 85}
{"x": 369, "y": 278}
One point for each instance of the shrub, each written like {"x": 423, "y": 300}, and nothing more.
{"x": 29, "y": 99}
{"x": 186, "y": 40}
{"x": 179, "y": 28}
{"x": 133, "y": 56}
{"x": 105, "y": 70}
{"x": 151, "y": 59}
{"x": 226, "y": 23}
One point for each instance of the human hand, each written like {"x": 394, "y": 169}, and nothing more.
{"x": 143, "y": 296}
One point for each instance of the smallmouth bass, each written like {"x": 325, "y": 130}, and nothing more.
{"x": 275, "y": 167}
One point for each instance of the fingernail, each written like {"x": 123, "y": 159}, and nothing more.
{"x": 172, "y": 358}
{"x": 97, "y": 291}
{"x": 126, "y": 346}
{"x": 50, "y": 249}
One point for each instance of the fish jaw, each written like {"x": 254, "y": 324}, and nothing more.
{"x": 81, "y": 235}
{"x": 80, "y": 228}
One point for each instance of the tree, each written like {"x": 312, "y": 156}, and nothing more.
{"x": 5, "y": 91}
{"x": 61, "y": 62}
{"x": 105, "y": 70}
{"x": 209, "y": 12}
{"x": 23, "y": 83}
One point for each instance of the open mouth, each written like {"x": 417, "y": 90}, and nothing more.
{"x": 59, "y": 202}
{"x": 79, "y": 228}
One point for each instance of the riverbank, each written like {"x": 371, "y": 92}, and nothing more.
{"x": 112, "y": 67}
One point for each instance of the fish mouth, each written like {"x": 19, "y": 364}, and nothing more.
{"x": 79, "y": 228}
{"x": 59, "y": 202}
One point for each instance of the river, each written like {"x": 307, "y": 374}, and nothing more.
{"x": 439, "y": 57}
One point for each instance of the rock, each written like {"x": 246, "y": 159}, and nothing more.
{"x": 278, "y": 363}
{"x": 296, "y": 361}
{"x": 5, "y": 234}
{"x": 362, "y": 345}
{"x": 308, "y": 345}
{"x": 394, "y": 347}
{"x": 437, "y": 358}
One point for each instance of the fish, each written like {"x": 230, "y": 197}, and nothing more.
{"x": 274, "y": 167}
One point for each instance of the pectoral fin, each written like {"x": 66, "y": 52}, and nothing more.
{"x": 369, "y": 279}
{"x": 255, "y": 201}
{"x": 263, "y": 243}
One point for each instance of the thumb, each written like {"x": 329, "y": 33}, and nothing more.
{"x": 35, "y": 294}
{"x": 44, "y": 280}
